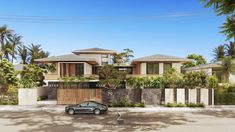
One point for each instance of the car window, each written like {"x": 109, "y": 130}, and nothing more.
{"x": 92, "y": 104}
{"x": 84, "y": 104}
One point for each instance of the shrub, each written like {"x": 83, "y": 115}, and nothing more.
{"x": 195, "y": 79}
{"x": 213, "y": 82}
{"x": 145, "y": 82}
{"x": 195, "y": 105}
{"x": 184, "y": 105}
{"x": 172, "y": 78}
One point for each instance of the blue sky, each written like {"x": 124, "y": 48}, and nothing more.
{"x": 173, "y": 27}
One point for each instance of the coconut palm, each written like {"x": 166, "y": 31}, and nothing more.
{"x": 7, "y": 50}
{"x": 34, "y": 52}
{"x": 23, "y": 54}
{"x": 228, "y": 27}
{"x": 219, "y": 52}
{"x": 230, "y": 49}
{"x": 15, "y": 41}
{"x": 5, "y": 33}
{"x": 228, "y": 67}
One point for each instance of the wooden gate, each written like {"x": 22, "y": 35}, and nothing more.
{"x": 76, "y": 96}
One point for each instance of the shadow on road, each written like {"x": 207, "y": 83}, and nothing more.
{"x": 60, "y": 122}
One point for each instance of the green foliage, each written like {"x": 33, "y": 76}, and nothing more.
{"x": 227, "y": 8}
{"x": 213, "y": 82}
{"x": 198, "y": 60}
{"x": 172, "y": 78}
{"x": 8, "y": 76}
{"x": 123, "y": 57}
{"x": 195, "y": 79}
{"x": 75, "y": 79}
{"x": 228, "y": 67}
{"x": 110, "y": 77}
{"x": 32, "y": 76}
{"x": 10, "y": 97}
{"x": 225, "y": 95}
{"x": 145, "y": 82}
{"x": 184, "y": 105}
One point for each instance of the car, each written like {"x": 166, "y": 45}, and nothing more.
{"x": 87, "y": 107}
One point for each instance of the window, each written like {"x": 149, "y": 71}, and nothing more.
{"x": 79, "y": 69}
{"x": 84, "y": 104}
{"x": 104, "y": 59}
{"x": 92, "y": 104}
{"x": 167, "y": 66}
{"x": 152, "y": 68}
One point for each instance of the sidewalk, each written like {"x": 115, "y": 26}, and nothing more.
{"x": 60, "y": 108}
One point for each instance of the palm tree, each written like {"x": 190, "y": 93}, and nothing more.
{"x": 228, "y": 67}
{"x": 5, "y": 33}
{"x": 34, "y": 52}
{"x": 23, "y": 54}
{"x": 219, "y": 52}
{"x": 228, "y": 27}
{"x": 7, "y": 50}
{"x": 15, "y": 41}
{"x": 230, "y": 48}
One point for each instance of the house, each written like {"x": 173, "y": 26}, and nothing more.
{"x": 212, "y": 69}
{"x": 156, "y": 64}
{"x": 83, "y": 62}
{"x": 86, "y": 62}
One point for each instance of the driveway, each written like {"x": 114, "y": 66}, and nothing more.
{"x": 54, "y": 121}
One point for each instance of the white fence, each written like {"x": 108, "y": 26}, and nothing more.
{"x": 181, "y": 95}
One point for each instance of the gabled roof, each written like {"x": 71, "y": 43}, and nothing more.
{"x": 204, "y": 66}
{"x": 94, "y": 50}
{"x": 161, "y": 58}
{"x": 66, "y": 58}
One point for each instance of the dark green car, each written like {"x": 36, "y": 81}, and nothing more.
{"x": 87, "y": 107}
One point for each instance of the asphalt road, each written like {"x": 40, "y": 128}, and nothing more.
{"x": 51, "y": 121}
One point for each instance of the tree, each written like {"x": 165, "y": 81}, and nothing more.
{"x": 219, "y": 52}
{"x": 197, "y": 60}
{"x": 5, "y": 33}
{"x": 15, "y": 41}
{"x": 110, "y": 77}
{"x": 228, "y": 27}
{"x": 227, "y": 8}
{"x": 23, "y": 54}
{"x": 36, "y": 52}
{"x": 230, "y": 49}
{"x": 228, "y": 67}
{"x": 7, "y": 76}
{"x": 123, "y": 57}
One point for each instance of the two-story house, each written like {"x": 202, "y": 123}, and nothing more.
{"x": 86, "y": 62}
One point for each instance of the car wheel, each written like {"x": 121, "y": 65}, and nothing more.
{"x": 71, "y": 111}
{"x": 97, "y": 112}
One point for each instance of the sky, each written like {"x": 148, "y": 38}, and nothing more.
{"x": 171, "y": 27}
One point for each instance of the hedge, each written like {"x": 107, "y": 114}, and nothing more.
{"x": 224, "y": 98}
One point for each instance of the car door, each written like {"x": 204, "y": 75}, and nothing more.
{"x": 91, "y": 107}
{"x": 82, "y": 108}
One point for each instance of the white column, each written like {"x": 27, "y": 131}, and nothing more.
{"x": 161, "y": 65}
{"x": 143, "y": 68}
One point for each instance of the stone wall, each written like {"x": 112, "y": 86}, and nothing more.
{"x": 116, "y": 95}
{"x": 151, "y": 96}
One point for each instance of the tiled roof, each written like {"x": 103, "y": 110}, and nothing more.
{"x": 159, "y": 57}
{"x": 204, "y": 66}
{"x": 95, "y": 50}
{"x": 68, "y": 57}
